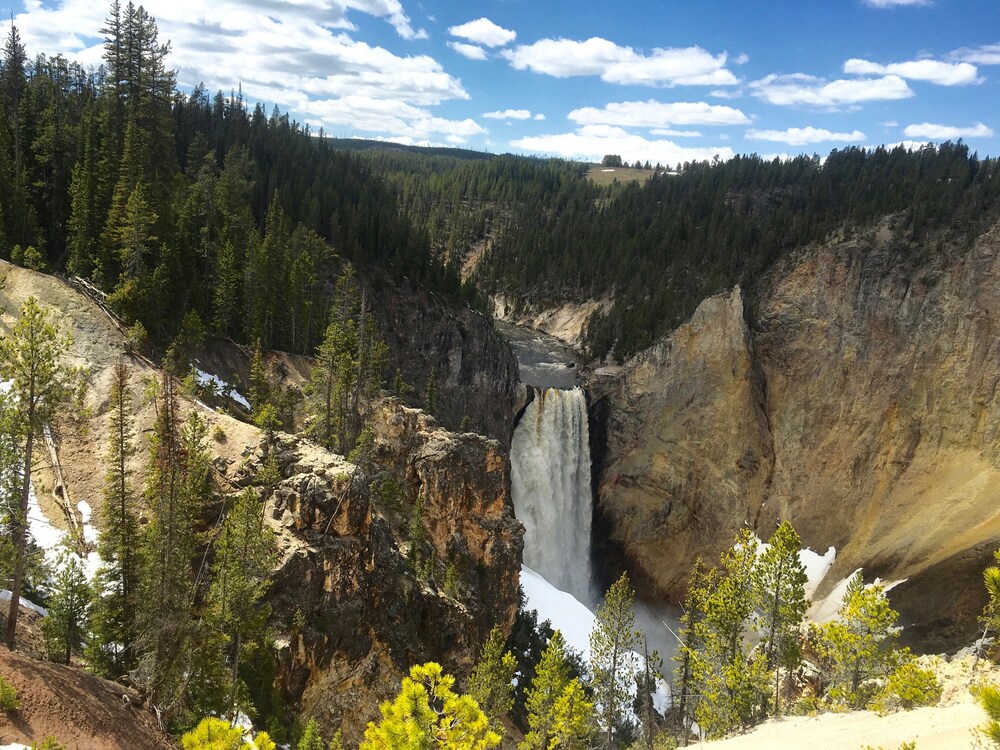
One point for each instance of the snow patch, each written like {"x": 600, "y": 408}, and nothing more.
{"x": 563, "y": 610}
{"x": 46, "y": 536}
{"x": 5, "y": 595}
{"x": 567, "y": 615}
{"x": 89, "y": 532}
{"x": 52, "y": 540}
{"x": 221, "y": 386}
{"x": 817, "y": 566}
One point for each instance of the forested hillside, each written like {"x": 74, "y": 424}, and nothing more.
{"x": 550, "y": 235}
{"x": 176, "y": 202}
{"x": 662, "y": 247}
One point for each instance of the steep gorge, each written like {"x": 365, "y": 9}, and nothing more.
{"x": 853, "y": 391}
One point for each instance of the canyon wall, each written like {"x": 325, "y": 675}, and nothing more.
{"x": 357, "y": 600}
{"x": 853, "y": 391}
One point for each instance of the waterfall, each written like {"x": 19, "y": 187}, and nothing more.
{"x": 550, "y": 484}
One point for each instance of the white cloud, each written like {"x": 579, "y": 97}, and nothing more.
{"x": 895, "y": 3}
{"x": 592, "y": 142}
{"x": 299, "y": 56}
{"x": 483, "y": 31}
{"x": 509, "y": 114}
{"x": 654, "y": 114}
{"x": 539, "y": 116}
{"x": 802, "y": 89}
{"x": 987, "y": 54}
{"x": 563, "y": 58}
{"x": 470, "y": 51}
{"x": 946, "y": 132}
{"x": 932, "y": 71}
{"x": 803, "y": 136}
{"x": 671, "y": 133}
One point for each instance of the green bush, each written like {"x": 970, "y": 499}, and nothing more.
{"x": 8, "y": 697}
{"x": 910, "y": 686}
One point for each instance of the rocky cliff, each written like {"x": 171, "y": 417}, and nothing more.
{"x": 475, "y": 372}
{"x": 359, "y": 595}
{"x": 852, "y": 391}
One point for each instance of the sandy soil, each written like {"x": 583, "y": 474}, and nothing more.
{"x": 81, "y": 444}
{"x": 82, "y": 711}
{"x": 948, "y": 726}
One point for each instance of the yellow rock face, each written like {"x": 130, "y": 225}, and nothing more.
{"x": 859, "y": 401}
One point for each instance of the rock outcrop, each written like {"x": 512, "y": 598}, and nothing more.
{"x": 356, "y": 598}
{"x": 475, "y": 372}
{"x": 854, "y": 392}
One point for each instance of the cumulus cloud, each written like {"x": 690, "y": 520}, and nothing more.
{"x": 563, "y": 58}
{"x": 803, "y": 136}
{"x": 592, "y": 142}
{"x": 932, "y": 71}
{"x": 986, "y": 54}
{"x": 509, "y": 114}
{"x": 801, "y": 89}
{"x": 300, "y": 56}
{"x": 539, "y": 116}
{"x": 484, "y": 32}
{"x": 654, "y": 114}
{"x": 471, "y": 51}
{"x": 946, "y": 132}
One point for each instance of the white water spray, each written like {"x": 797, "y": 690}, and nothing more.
{"x": 550, "y": 484}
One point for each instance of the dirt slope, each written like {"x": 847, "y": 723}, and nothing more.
{"x": 82, "y": 711}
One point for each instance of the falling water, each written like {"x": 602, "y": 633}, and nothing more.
{"x": 550, "y": 483}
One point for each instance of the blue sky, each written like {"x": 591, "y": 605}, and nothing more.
{"x": 658, "y": 80}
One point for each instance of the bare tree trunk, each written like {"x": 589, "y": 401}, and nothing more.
{"x": 21, "y": 544}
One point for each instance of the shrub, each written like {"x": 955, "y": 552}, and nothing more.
{"x": 910, "y": 686}
{"x": 8, "y": 697}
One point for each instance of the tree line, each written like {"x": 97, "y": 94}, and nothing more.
{"x": 175, "y": 204}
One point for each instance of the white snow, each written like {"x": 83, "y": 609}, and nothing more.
{"x": 89, "y": 532}
{"x": 565, "y": 612}
{"x": 817, "y": 566}
{"x": 52, "y": 540}
{"x": 46, "y": 536}
{"x": 220, "y": 386}
{"x": 575, "y": 622}
{"x": 5, "y": 598}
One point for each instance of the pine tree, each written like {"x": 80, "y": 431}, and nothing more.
{"x": 613, "y": 660}
{"x": 860, "y": 643}
{"x": 84, "y": 219}
{"x": 244, "y": 556}
{"x": 689, "y": 656}
{"x": 491, "y": 682}
{"x": 311, "y": 738}
{"x": 69, "y": 607}
{"x": 647, "y": 683}
{"x": 560, "y": 714}
{"x": 731, "y": 677}
{"x": 41, "y": 384}
{"x": 112, "y": 649}
{"x": 779, "y": 580}
{"x": 990, "y": 617}
{"x": 176, "y": 490}
{"x": 427, "y": 713}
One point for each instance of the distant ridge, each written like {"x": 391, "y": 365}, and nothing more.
{"x": 362, "y": 144}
